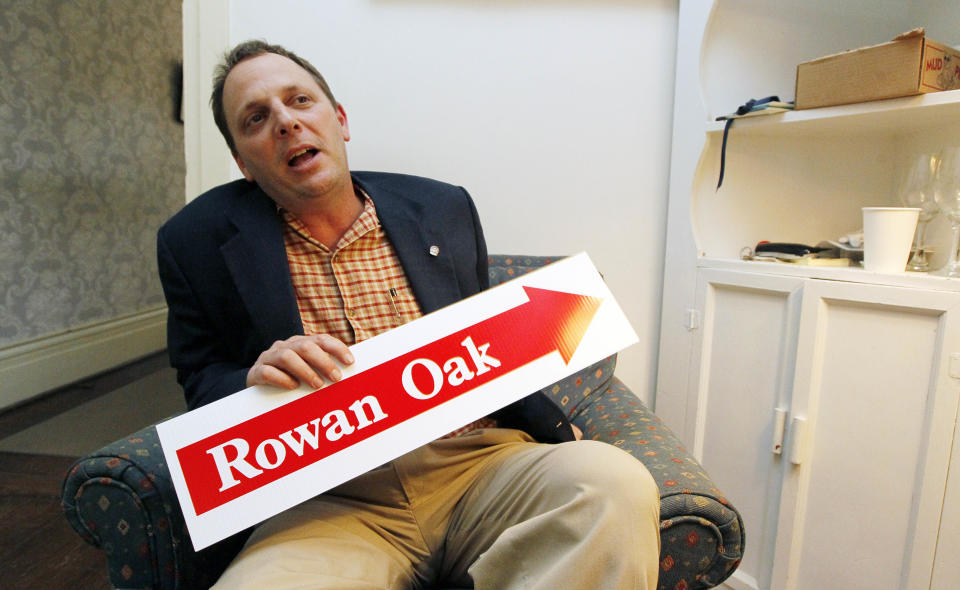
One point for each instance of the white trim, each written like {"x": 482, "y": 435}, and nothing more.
{"x": 739, "y": 581}
{"x": 206, "y": 36}
{"x": 30, "y": 368}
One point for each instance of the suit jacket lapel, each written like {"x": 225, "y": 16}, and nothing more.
{"x": 433, "y": 278}
{"x": 257, "y": 259}
{"x": 258, "y": 264}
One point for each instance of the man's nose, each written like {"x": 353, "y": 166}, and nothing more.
{"x": 286, "y": 122}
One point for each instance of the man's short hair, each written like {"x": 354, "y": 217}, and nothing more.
{"x": 243, "y": 51}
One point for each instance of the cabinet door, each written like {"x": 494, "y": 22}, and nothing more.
{"x": 743, "y": 362}
{"x": 873, "y": 411}
{"x": 946, "y": 569}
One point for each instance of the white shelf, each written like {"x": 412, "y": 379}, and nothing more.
{"x": 893, "y": 116}
{"x": 803, "y": 176}
{"x": 912, "y": 280}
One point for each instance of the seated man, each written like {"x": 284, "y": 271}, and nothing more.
{"x": 269, "y": 279}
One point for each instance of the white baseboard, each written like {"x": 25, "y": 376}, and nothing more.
{"x": 739, "y": 581}
{"x": 37, "y": 366}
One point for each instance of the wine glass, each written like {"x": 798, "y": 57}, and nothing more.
{"x": 947, "y": 195}
{"x": 916, "y": 190}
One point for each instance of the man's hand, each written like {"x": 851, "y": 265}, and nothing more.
{"x": 300, "y": 359}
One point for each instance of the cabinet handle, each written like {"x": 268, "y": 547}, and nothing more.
{"x": 779, "y": 426}
{"x": 799, "y": 428}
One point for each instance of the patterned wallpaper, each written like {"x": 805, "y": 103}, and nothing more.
{"x": 91, "y": 159}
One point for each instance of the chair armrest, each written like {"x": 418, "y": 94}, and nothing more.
{"x": 121, "y": 499}
{"x": 701, "y": 533}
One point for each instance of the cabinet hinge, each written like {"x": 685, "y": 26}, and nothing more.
{"x": 954, "y": 369}
{"x": 692, "y": 320}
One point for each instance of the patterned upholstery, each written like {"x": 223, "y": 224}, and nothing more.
{"x": 120, "y": 497}
{"x": 701, "y": 533}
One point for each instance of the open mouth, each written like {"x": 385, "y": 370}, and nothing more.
{"x": 302, "y": 156}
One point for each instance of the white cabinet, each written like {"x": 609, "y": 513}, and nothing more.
{"x": 946, "y": 569}
{"x": 876, "y": 389}
{"x": 822, "y": 400}
{"x": 826, "y": 410}
{"x": 745, "y": 355}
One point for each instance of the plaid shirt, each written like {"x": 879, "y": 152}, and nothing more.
{"x": 356, "y": 291}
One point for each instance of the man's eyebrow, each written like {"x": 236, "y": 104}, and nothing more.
{"x": 257, "y": 102}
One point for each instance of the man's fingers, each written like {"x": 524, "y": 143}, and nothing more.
{"x": 268, "y": 375}
{"x": 303, "y": 364}
{"x": 335, "y": 348}
{"x": 300, "y": 359}
{"x": 311, "y": 364}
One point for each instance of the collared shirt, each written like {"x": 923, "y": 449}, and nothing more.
{"x": 356, "y": 291}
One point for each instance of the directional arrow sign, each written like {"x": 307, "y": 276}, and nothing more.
{"x": 260, "y": 451}
{"x": 235, "y": 461}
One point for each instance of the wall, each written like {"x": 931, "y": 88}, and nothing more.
{"x": 91, "y": 164}
{"x": 554, "y": 114}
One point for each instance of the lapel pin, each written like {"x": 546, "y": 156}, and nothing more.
{"x": 434, "y": 250}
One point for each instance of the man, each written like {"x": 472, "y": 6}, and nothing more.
{"x": 268, "y": 279}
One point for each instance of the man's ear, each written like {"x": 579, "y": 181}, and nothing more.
{"x": 342, "y": 118}
{"x": 243, "y": 168}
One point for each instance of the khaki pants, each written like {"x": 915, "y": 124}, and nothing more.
{"x": 491, "y": 509}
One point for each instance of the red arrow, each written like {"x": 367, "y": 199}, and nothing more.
{"x": 242, "y": 458}
{"x": 560, "y": 319}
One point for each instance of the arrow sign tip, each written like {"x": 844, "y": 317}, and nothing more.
{"x": 570, "y": 316}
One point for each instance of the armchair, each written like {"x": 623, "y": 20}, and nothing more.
{"x": 120, "y": 498}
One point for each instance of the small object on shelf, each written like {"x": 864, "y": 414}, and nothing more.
{"x": 916, "y": 190}
{"x": 841, "y": 249}
{"x": 754, "y": 106}
{"x": 852, "y": 239}
{"x": 947, "y": 195}
{"x": 818, "y": 261}
{"x": 785, "y": 250}
{"x": 887, "y": 235}
{"x": 799, "y": 254}
{"x": 771, "y": 107}
{"x": 909, "y": 64}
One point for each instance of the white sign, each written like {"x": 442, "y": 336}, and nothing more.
{"x": 244, "y": 458}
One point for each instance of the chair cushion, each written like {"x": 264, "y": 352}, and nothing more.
{"x": 503, "y": 267}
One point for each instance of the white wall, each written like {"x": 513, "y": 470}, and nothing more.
{"x": 554, "y": 114}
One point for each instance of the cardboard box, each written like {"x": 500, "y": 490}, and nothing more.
{"x": 909, "y": 64}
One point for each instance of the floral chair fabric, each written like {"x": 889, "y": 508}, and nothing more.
{"x": 120, "y": 497}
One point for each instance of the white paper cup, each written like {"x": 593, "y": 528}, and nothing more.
{"x": 887, "y": 237}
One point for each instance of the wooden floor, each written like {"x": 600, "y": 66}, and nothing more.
{"x": 38, "y": 548}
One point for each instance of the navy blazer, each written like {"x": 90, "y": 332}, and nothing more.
{"x": 224, "y": 270}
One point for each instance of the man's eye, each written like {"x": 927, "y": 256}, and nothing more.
{"x": 303, "y": 99}
{"x": 254, "y": 119}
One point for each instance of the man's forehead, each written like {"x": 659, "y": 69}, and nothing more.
{"x": 264, "y": 73}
